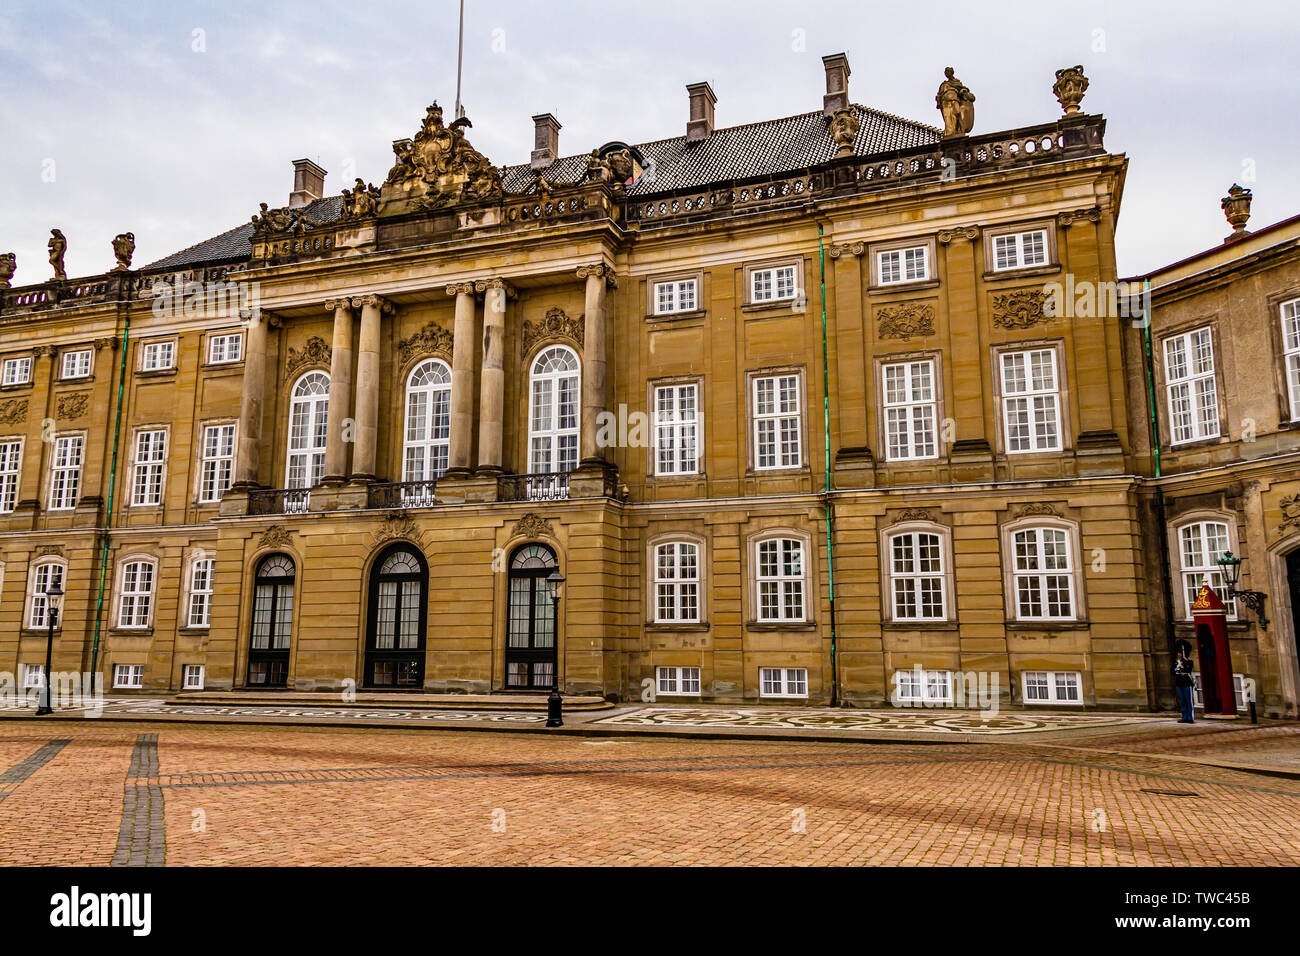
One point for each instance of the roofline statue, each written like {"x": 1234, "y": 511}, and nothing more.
{"x": 57, "y": 245}
{"x": 956, "y": 103}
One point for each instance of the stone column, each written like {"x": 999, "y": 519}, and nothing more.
{"x": 336, "y": 449}
{"x": 36, "y": 453}
{"x": 251, "y": 403}
{"x": 970, "y": 453}
{"x": 462, "y": 381}
{"x": 594, "y": 360}
{"x": 492, "y": 384}
{"x": 367, "y": 401}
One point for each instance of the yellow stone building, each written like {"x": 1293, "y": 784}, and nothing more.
{"x": 789, "y": 405}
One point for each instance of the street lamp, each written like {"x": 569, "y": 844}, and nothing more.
{"x": 554, "y": 704}
{"x": 1252, "y": 599}
{"x": 53, "y": 601}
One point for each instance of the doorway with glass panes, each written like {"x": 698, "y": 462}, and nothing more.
{"x": 399, "y": 583}
{"x": 530, "y": 620}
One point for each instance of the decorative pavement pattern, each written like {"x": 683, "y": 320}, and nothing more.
{"x": 937, "y": 722}
{"x": 157, "y": 708}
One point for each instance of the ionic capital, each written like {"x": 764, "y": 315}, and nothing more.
{"x": 483, "y": 285}
{"x": 846, "y": 249}
{"x": 598, "y": 269}
{"x": 460, "y": 288}
{"x": 1069, "y": 218}
{"x": 333, "y": 305}
{"x": 373, "y": 302}
{"x": 966, "y": 233}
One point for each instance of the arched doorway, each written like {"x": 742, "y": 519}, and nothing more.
{"x": 1293, "y": 591}
{"x": 268, "y": 650}
{"x": 530, "y": 620}
{"x": 396, "y": 620}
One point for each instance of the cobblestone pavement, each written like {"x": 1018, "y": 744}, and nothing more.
{"x": 140, "y": 794}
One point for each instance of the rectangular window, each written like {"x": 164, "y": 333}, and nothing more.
{"x": 1051, "y": 687}
{"x": 218, "y": 462}
{"x": 910, "y": 411}
{"x": 1238, "y": 691}
{"x": 17, "y": 371}
{"x": 1031, "y": 401}
{"x": 772, "y": 285}
{"x": 46, "y": 575}
{"x": 777, "y": 441}
{"x": 783, "y": 681}
{"x": 225, "y": 348}
{"x": 677, "y": 582}
{"x": 917, "y": 686}
{"x": 903, "y": 265}
{"x": 33, "y": 676}
{"x": 1189, "y": 379}
{"x": 1020, "y": 250}
{"x": 147, "y": 476}
{"x": 200, "y": 591}
{"x": 1200, "y": 545}
{"x": 11, "y": 457}
{"x": 780, "y": 580}
{"x": 65, "y": 475}
{"x": 76, "y": 364}
{"x": 677, "y": 295}
{"x": 193, "y": 679}
{"x": 128, "y": 676}
{"x": 676, "y": 430}
{"x": 136, "y": 599}
{"x": 1291, "y": 352}
{"x": 677, "y": 681}
{"x": 917, "y": 576}
{"x": 157, "y": 355}
{"x": 1043, "y": 575}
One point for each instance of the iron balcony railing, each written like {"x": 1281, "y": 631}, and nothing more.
{"x": 402, "y": 494}
{"x": 279, "y": 501}
{"x": 553, "y": 486}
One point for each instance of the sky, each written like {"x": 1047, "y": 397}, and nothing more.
{"x": 173, "y": 120}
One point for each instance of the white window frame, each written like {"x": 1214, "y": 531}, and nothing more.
{"x": 1200, "y": 420}
{"x": 778, "y": 283}
{"x": 678, "y": 581}
{"x": 783, "y": 682}
{"x": 935, "y": 687}
{"x": 426, "y": 455}
{"x": 1038, "y": 575}
{"x": 76, "y": 363}
{"x": 33, "y": 677}
{"x": 11, "y": 473}
{"x": 304, "y": 464}
{"x": 153, "y": 353}
{"x": 128, "y": 676}
{"x": 1238, "y": 692}
{"x": 1017, "y": 243}
{"x": 37, "y": 617}
{"x": 135, "y": 606}
{"x": 148, "y": 467}
{"x": 1053, "y": 686}
{"x": 549, "y": 435}
{"x": 779, "y": 429}
{"x": 902, "y": 265}
{"x": 198, "y": 606}
{"x": 1192, "y": 576}
{"x": 1033, "y": 400}
{"x": 1290, "y": 314}
{"x": 216, "y": 463}
{"x": 906, "y": 574}
{"x": 781, "y": 582}
{"x": 672, "y": 296}
{"x": 906, "y": 416}
{"x": 193, "y": 677}
{"x": 65, "y": 471}
{"x": 677, "y": 429}
{"x": 220, "y": 351}
{"x": 677, "y": 682}
{"x": 17, "y": 371}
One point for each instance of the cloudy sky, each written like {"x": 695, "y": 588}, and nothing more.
{"x": 173, "y": 119}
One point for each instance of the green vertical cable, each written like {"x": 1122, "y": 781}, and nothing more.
{"x": 1150, "y": 374}
{"x": 826, "y": 431}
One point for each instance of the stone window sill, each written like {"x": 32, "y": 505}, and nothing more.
{"x": 918, "y": 625}
{"x": 15, "y": 386}
{"x": 994, "y": 275}
{"x": 781, "y": 626}
{"x": 777, "y": 306}
{"x": 917, "y": 285}
{"x": 132, "y": 631}
{"x": 1047, "y": 625}
{"x": 76, "y": 380}
{"x": 156, "y": 372}
{"x": 669, "y": 318}
{"x": 660, "y": 626}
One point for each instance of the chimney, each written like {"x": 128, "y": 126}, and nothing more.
{"x": 546, "y": 140}
{"x": 1236, "y": 207}
{"x": 700, "y": 124}
{"x": 308, "y": 183}
{"x": 837, "y": 83}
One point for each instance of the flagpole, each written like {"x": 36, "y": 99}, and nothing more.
{"x": 460, "y": 55}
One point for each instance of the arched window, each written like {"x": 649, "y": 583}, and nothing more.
{"x": 135, "y": 592}
{"x": 1200, "y": 545}
{"x": 428, "y": 421}
{"x": 530, "y": 627}
{"x": 1043, "y": 574}
{"x": 44, "y": 575}
{"x": 268, "y": 657}
{"x": 779, "y": 577}
{"x": 553, "y": 405}
{"x": 395, "y": 636}
{"x": 677, "y": 582}
{"x": 308, "y": 426}
{"x": 916, "y": 576}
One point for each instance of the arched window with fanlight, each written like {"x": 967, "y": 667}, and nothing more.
{"x": 268, "y": 653}
{"x": 554, "y": 399}
{"x": 395, "y": 630}
{"x": 530, "y": 623}
{"x": 309, "y": 405}
{"x": 428, "y": 421}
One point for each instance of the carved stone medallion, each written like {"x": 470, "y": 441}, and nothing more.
{"x": 1020, "y": 308}
{"x": 315, "y": 352}
{"x": 905, "y": 320}
{"x": 13, "y": 411}
{"x": 275, "y": 536}
{"x": 556, "y": 325}
{"x": 433, "y": 339}
{"x": 532, "y": 525}
{"x": 72, "y": 406}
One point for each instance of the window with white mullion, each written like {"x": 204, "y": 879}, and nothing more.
{"x": 76, "y": 364}
{"x": 11, "y": 456}
{"x": 17, "y": 371}
{"x": 773, "y": 285}
{"x": 1019, "y": 250}
{"x": 1200, "y": 545}
{"x": 427, "y": 448}
{"x": 677, "y": 295}
{"x": 147, "y": 475}
{"x": 1291, "y": 352}
{"x": 1189, "y": 380}
{"x": 308, "y": 430}
{"x": 777, "y": 441}
{"x": 902, "y": 265}
{"x": 1031, "y": 401}
{"x": 553, "y": 414}
{"x": 200, "y": 591}
{"x": 157, "y": 356}
{"x": 225, "y": 348}
{"x": 65, "y": 473}
{"x": 780, "y": 579}
{"x": 45, "y": 576}
{"x": 1051, "y": 687}
{"x": 217, "y": 464}
{"x": 678, "y": 681}
{"x": 676, "y": 429}
{"x": 135, "y": 600}
{"x": 1043, "y": 575}
{"x": 917, "y": 576}
{"x": 677, "y": 583}
{"x": 910, "y": 411}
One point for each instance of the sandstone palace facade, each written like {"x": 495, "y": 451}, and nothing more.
{"x": 788, "y": 405}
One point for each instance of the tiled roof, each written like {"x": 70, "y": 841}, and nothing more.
{"x": 737, "y": 152}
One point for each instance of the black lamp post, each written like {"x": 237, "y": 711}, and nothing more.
{"x": 53, "y": 600}
{"x": 554, "y": 704}
{"x": 1252, "y": 599}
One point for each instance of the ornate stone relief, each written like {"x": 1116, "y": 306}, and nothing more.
{"x": 433, "y": 339}
{"x": 966, "y": 233}
{"x": 1069, "y": 218}
{"x": 1290, "y": 508}
{"x": 844, "y": 130}
{"x": 315, "y": 352}
{"x": 398, "y": 524}
{"x": 72, "y": 406}
{"x": 557, "y": 325}
{"x": 835, "y": 250}
{"x": 532, "y": 525}
{"x": 439, "y": 167}
{"x": 13, "y": 411}
{"x": 1069, "y": 88}
{"x": 599, "y": 269}
{"x": 49, "y": 549}
{"x": 1020, "y": 308}
{"x": 1039, "y": 508}
{"x": 916, "y": 514}
{"x": 905, "y": 320}
{"x": 275, "y": 536}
